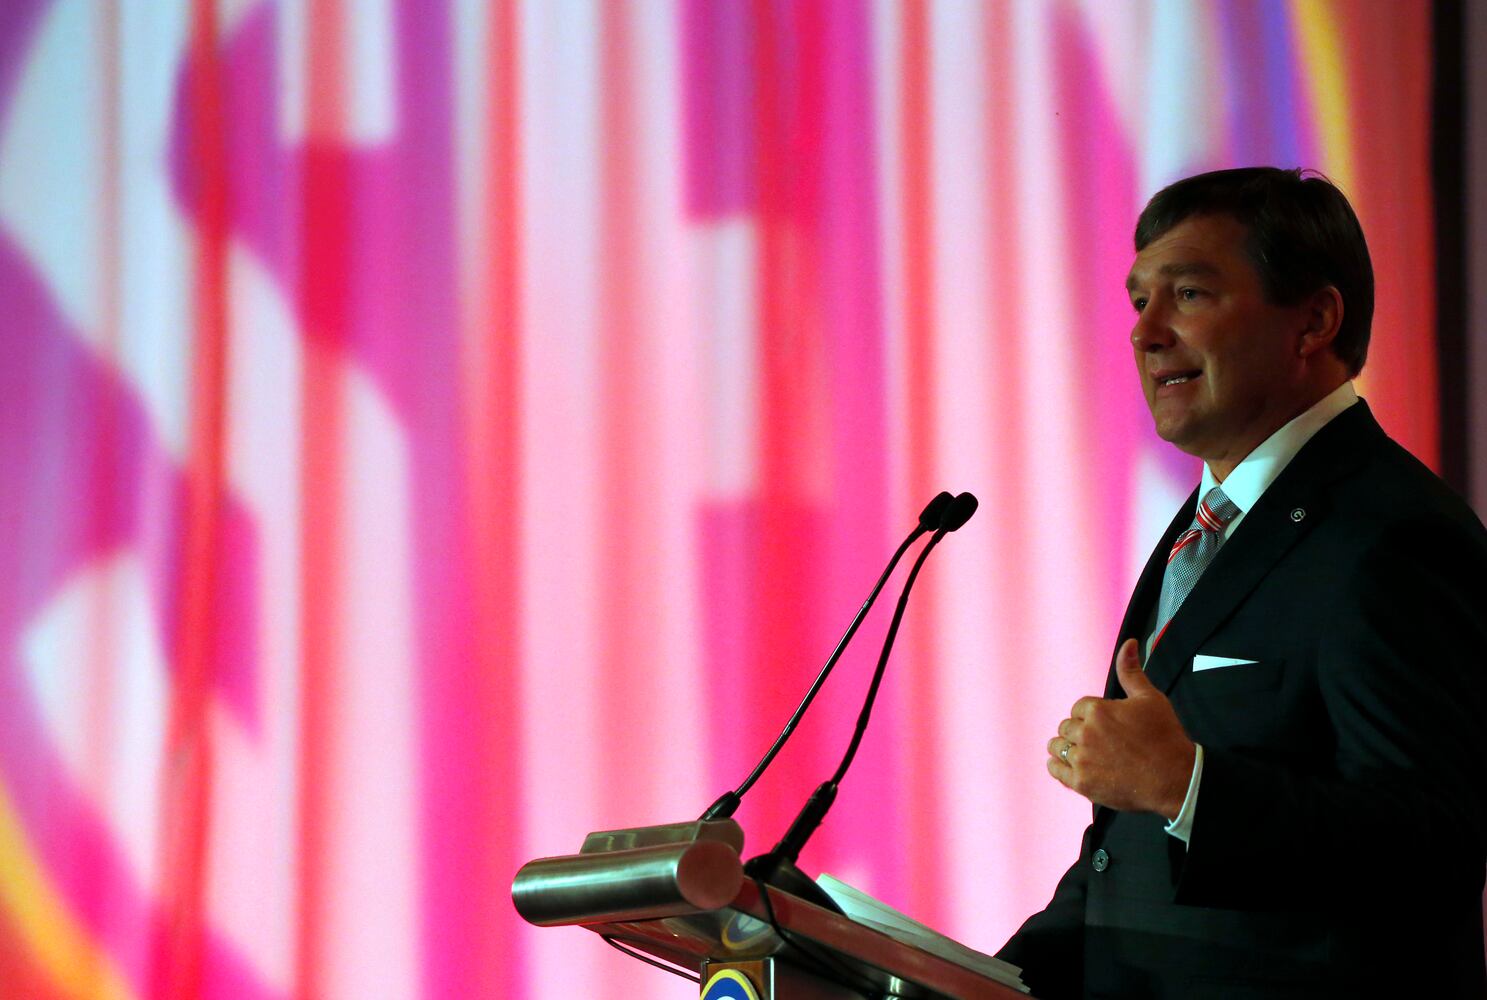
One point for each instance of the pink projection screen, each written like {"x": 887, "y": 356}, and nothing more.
{"x": 433, "y": 431}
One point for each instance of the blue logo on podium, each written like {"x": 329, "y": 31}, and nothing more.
{"x": 729, "y": 985}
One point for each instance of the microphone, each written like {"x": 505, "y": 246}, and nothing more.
{"x": 778, "y": 867}
{"x": 931, "y": 518}
{"x": 959, "y": 512}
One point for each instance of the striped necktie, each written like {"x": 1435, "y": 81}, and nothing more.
{"x": 1191, "y": 553}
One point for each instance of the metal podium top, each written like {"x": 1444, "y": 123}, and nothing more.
{"x": 679, "y": 893}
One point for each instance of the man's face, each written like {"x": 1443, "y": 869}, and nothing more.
{"x": 1218, "y": 362}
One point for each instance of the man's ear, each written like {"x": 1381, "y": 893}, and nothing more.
{"x": 1323, "y": 317}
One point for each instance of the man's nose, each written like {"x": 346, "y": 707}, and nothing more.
{"x": 1152, "y": 332}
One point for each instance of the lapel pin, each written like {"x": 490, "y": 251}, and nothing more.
{"x": 1298, "y": 515}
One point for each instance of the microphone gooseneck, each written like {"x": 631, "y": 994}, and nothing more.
{"x": 778, "y": 865}
{"x": 930, "y": 519}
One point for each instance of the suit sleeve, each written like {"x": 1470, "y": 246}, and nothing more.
{"x": 1398, "y": 809}
{"x": 1050, "y": 944}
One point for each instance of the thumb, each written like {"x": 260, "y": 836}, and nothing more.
{"x": 1133, "y": 680}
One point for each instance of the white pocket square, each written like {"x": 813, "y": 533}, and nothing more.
{"x": 1203, "y": 661}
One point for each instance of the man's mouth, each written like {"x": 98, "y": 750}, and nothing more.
{"x": 1176, "y": 378}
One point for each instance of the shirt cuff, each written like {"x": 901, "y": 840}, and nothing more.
{"x": 1182, "y": 826}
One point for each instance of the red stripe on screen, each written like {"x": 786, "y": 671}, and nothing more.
{"x": 1009, "y": 539}
{"x": 1387, "y": 59}
{"x": 786, "y": 547}
{"x": 922, "y": 811}
{"x": 187, "y": 777}
{"x": 626, "y": 676}
{"x": 494, "y": 430}
{"x": 776, "y": 629}
{"x": 323, "y": 278}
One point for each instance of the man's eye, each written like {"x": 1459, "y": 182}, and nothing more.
{"x": 1188, "y": 294}
{"x": 1138, "y": 304}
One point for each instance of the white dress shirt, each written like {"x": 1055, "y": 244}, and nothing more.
{"x": 1244, "y": 487}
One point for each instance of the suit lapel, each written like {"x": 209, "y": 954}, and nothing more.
{"x": 1293, "y": 505}
{"x": 1268, "y": 532}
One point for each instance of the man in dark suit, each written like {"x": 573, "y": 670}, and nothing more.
{"x": 1287, "y": 767}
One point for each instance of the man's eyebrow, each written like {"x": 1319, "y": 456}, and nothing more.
{"x": 1180, "y": 269}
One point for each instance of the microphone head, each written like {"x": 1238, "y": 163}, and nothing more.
{"x": 959, "y": 512}
{"x": 933, "y": 514}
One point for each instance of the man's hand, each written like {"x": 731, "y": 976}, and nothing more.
{"x": 1130, "y": 754}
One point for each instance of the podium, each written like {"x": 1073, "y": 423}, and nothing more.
{"x": 678, "y": 894}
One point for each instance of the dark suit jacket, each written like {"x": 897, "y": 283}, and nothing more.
{"x": 1340, "y": 838}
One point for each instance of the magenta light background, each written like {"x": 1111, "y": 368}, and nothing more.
{"x": 432, "y": 432}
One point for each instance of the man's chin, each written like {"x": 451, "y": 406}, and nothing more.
{"x": 1180, "y": 434}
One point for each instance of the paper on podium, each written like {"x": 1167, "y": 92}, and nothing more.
{"x": 865, "y": 910}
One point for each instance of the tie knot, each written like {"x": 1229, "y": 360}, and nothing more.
{"x": 1216, "y": 510}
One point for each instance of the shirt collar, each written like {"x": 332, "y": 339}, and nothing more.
{"x": 1257, "y": 470}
